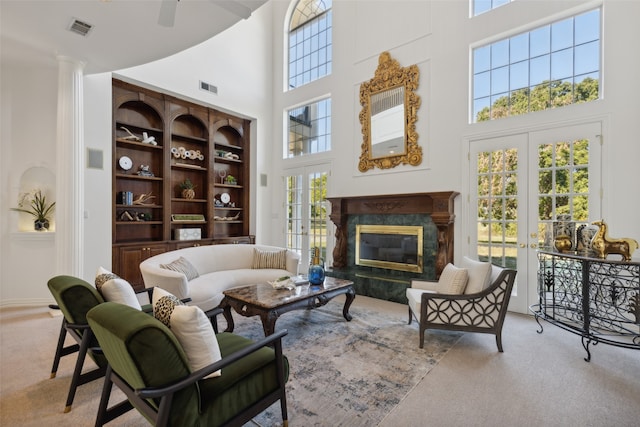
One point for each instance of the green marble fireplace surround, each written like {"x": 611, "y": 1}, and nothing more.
{"x": 432, "y": 211}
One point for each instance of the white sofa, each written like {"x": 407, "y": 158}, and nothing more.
{"x": 219, "y": 268}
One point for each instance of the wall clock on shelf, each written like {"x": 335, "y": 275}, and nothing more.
{"x": 225, "y": 198}
{"x": 125, "y": 163}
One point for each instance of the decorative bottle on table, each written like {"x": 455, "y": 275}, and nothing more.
{"x": 316, "y": 270}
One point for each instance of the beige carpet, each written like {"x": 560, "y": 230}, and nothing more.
{"x": 540, "y": 379}
{"x": 342, "y": 373}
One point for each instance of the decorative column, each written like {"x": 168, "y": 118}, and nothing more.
{"x": 70, "y": 162}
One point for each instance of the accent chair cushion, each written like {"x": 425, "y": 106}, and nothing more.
{"x": 182, "y": 265}
{"x": 243, "y": 380}
{"x": 115, "y": 289}
{"x": 479, "y": 275}
{"x": 269, "y": 259}
{"x": 191, "y": 327}
{"x": 453, "y": 280}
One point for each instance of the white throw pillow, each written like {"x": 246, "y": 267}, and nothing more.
{"x": 115, "y": 289}
{"x": 191, "y": 327}
{"x": 182, "y": 265}
{"x": 196, "y": 335}
{"x": 453, "y": 280}
{"x": 479, "y": 275}
{"x": 270, "y": 259}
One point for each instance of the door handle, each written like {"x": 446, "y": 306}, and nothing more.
{"x": 533, "y": 246}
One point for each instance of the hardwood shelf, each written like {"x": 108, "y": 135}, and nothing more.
{"x": 139, "y": 177}
{"x": 130, "y": 125}
{"x": 180, "y": 200}
{"x": 189, "y": 138}
{"x": 227, "y": 160}
{"x": 230, "y": 146}
{"x": 188, "y": 222}
{"x": 188, "y": 166}
{"x": 119, "y": 206}
{"x": 138, "y": 144}
{"x": 228, "y": 186}
{"x": 138, "y": 223}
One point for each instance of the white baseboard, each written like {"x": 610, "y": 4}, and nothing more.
{"x": 25, "y": 302}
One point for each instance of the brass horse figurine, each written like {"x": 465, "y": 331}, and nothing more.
{"x": 603, "y": 245}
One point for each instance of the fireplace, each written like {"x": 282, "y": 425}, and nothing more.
{"x": 392, "y": 247}
{"x": 369, "y": 248}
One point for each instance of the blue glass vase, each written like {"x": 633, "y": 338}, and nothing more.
{"x": 316, "y": 275}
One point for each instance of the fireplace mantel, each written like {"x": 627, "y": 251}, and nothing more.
{"x": 438, "y": 205}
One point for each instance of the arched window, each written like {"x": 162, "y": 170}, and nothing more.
{"x": 309, "y": 42}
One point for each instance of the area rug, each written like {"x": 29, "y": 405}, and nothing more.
{"x": 348, "y": 373}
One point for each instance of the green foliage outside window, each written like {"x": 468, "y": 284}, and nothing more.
{"x": 545, "y": 96}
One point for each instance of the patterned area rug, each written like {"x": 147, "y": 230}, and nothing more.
{"x": 348, "y": 373}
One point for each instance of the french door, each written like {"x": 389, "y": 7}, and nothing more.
{"x": 307, "y": 211}
{"x": 519, "y": 184}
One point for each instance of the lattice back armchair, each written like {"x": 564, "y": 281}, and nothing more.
{"x": 482, "y": 311}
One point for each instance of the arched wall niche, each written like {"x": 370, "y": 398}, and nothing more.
{"x": 32, "y": 179}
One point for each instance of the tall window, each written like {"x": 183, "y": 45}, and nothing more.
{"x": 309, "y": 129}
{"x": 309, "y": 42}
{"x": 482, "y": 6}
{"x": 552, "y": 66}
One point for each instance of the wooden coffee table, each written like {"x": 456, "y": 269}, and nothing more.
{"x": 269, "y": 303}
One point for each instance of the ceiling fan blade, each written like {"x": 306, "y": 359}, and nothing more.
{"x": 167, "y": 12}
{"x": 234, "y": 7}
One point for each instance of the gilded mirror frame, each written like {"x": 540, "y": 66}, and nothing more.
{"x": 390, "y": 75}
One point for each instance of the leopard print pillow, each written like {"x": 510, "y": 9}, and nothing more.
{"x": 163, "y": 305}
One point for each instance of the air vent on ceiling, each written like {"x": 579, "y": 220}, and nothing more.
{"x": 208, "y": 87}
{"x": 79, "y": 27}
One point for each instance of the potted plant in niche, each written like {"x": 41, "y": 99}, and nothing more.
{"x": 35, "y": 204}
{"x": 188, "y": 189}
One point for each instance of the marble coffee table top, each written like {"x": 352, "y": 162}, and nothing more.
{"x": 264, "y": 295}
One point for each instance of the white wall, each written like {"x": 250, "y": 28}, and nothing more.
{"x": 28, "y": 140}
{"x": 437, "y": 37}
{"x": 246, "y": 68}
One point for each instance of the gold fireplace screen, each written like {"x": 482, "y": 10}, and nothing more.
{"x": 394, "y": 247}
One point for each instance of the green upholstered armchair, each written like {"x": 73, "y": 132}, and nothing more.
{"x": 75, "y": 297}
{"x": 146, "y": 361}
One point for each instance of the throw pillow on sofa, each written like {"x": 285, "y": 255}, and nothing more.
{"x": 191, "y": 327}
{"x": 114, "y": 288}
{"x": 182, "y": 265}
{"x": 269, "y": 259}
{"x": 452, "y": 280}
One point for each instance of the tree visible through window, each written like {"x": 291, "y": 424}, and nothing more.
{"x": 549, "y": 67}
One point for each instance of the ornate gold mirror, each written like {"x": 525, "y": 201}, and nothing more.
{"x": 388, "y": 116}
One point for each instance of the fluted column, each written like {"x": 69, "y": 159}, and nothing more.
{"x": 70, "y": 168}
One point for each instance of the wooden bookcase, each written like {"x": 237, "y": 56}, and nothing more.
{"x": 184, "y": 141}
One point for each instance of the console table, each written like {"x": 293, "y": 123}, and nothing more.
{"x": 596, "y": 299}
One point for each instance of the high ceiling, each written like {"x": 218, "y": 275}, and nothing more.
{"x": 124, "y": 33}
